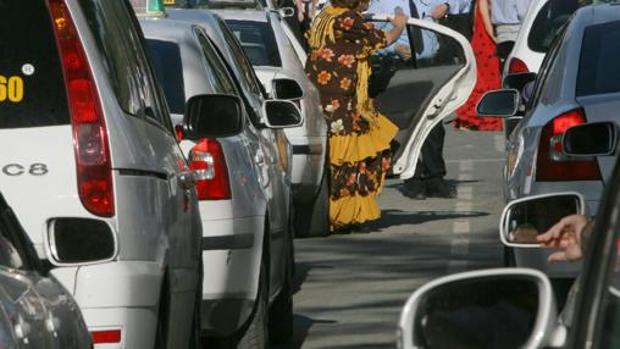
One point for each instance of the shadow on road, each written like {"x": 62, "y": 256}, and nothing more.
{"x": 392, "y": 218}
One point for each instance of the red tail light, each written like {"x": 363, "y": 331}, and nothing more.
{"x": 517, "y": 66}
{"x": 106, "y": 337}
{"x": 208, "y": 163}
{"x": 92, "y": 152}
{"x": 551, "y": 165}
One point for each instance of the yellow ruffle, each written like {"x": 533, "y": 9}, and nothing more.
{"x": 353, "y": 210}
{"x": 357, "y": 147}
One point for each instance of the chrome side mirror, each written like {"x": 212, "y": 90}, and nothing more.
{"x": 524, "y": 219}
{"x": 495, "y": 308}
{"x": 499, "y": 103}
{"x": 589, "y": 140}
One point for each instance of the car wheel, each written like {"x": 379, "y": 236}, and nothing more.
{"x": 313, "y": 219}
{"x": 256, "y": 335}
{"x": 281, "y": 311}
{"x": 509, "y": 257}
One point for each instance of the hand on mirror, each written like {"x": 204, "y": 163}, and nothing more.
{"x": 440, "y": 11}
{"x": 565, "y": 235}
{"x": 403, "y": 51}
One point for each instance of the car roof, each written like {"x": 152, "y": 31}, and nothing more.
{"x": 597, "y": 14}
{"x": 243, "y": 14}
{"x": 166, "y": 29}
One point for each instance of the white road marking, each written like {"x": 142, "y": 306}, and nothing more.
{"x": 459, "y": 246}
{"x": 474, "y": 161}
{"x": 500, "y": 143}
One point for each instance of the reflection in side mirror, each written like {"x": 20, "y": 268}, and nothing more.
{"x": 80, "y": 241}
{"x": 496, "y": 308}
{"x": 282, "y": 114}
{"x": 595, "y": 139}
{"x": 286, "y": 89}
{"x": 499, "y": 103}
{"x": 212, "y": 116}
{"x": 524, "y": 219}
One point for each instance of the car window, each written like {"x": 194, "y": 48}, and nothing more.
{"x": 125, "y": 60}
{"x": 218, "y": 74}
{"x": 598, "y": 67}
{"x": 548, "y": 23}
{"x": 32, "y": 89}
{"x": 241, "y": 60}
{"x": 166, "y": 60}
{"x": 258, "y": 42}
{"x": 545, "y": 68}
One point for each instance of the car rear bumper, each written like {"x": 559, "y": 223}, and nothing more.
{"x": 137, "y": 325}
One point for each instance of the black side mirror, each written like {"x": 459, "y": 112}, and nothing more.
{"x": 499, "y": 103}
{"x": 212, "y": 116}
{"x": 518, "y": 81}
{"x": 282, "y": 114}
{"x": 286, "y": 89}
{"x": 587, "y": 140}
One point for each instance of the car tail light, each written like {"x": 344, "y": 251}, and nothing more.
{"x": 92, "y": 152}
{"x": 207, "y": 161}
{"x": 106, "y": 336}
{"x": 551, "y": 165}
{"x": 517, "y": 66}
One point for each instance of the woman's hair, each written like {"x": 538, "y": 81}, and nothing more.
{"x": 352, "y": 4}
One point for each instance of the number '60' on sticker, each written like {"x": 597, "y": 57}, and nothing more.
{"x": 11, "y": 89}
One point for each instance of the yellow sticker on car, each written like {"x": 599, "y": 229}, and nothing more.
{"x": 11, "y": 89}
{"x": 169, "y": 2}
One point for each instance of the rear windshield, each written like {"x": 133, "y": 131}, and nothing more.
{"x": 599, "y": 70}
{"x": 166, "y": 59}
{"x": 32, "y": 89}
{"x": 258, "y": 42}
{"x": 548, "y": 23}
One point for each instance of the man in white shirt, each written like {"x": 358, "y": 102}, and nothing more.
{"x": 506, "y": 16}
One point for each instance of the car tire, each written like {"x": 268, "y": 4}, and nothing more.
{"x": 313, "y": 220}
{"x": 509, "y": 257}
{"x": 281, "y": 310}
{"x": 256, "y": 335}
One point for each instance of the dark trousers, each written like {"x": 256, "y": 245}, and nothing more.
{"x": 502, "y": 50}
{"x": 431, "y": 163}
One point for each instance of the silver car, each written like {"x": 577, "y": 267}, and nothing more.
{"x": 246, "y": 176}
{"x": 36, "y": 311}
{"x": 577, "y": 84}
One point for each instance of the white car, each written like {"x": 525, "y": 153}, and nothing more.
{"x": 280, "y": 67}
{"x": 242, "y": 179}
{"x": 544, "y": 19}
{"x": 91, "y": 162}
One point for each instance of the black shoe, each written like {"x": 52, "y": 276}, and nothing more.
{"x": 414, "y": 189}
{"x": 439, "y": 188}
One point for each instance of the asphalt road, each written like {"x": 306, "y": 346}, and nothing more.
{"x": 350, "y": 288}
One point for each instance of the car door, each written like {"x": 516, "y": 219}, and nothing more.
{"x": 157, "y": 211}
{"x": 418, "y": 93}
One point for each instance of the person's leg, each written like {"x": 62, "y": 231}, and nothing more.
{"x": 430, "y": 165}
{"x": 436, "y": 186}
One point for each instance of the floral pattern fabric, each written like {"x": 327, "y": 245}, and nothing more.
{"x": 355, "y": 179}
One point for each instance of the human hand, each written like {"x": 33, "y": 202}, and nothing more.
{"x": 300, "y": 16}
{"x": 567, "y": 236}
{"x": 439, "y": 11}
{"x": 403, "y": 51}
{"x": 399, "y": 20}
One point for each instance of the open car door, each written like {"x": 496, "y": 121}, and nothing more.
{"x": 420, "y": 91}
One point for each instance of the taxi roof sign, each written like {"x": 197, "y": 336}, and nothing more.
{"x": 150, "y": 7}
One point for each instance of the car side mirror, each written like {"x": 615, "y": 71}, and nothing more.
{"x": 286, "y": 12}
{"x": 282, "y": 114}
{"x": 524, "y": 219}
{"x": 212, "y": 116}
{"x": 495, "y": 308}
{"x": 499, "y": 103}
{"x": 80, "y": 241}
{"x": 518, "y": 81}
{"x": 288, "y": 89}
{"x": 588, "y": 140}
